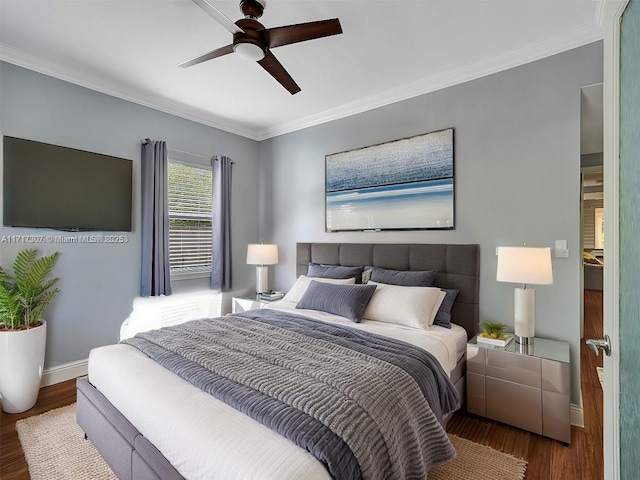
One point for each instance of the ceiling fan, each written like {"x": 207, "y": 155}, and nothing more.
{"x": 252, "y": 41}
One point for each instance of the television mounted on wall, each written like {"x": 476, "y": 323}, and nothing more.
{"x": 50, "y": 186}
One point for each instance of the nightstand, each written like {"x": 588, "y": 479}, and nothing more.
{"x": 525, "y": 386}
{"x": 247, "y": 302}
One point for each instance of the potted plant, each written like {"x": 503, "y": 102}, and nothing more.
{"x": 24, "y": 297}
{"x": 493, "y": 333}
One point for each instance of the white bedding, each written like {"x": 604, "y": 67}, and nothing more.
{"x": 447, "y": 345}
{"x": 204, "y": 438}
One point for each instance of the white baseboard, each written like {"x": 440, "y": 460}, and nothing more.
{"x": 577, "y": 415}
{"x": 64, "y": 372}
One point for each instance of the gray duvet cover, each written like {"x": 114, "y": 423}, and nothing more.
{"x": 367, "y": 406}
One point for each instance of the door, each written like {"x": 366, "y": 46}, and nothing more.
{"x": 622, "y": 230}
{"x": 629, "y": 229}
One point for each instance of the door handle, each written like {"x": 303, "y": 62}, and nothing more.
{"x": 603, "y": 343}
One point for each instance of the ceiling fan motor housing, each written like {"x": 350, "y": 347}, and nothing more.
{"x": 252, "y": 8}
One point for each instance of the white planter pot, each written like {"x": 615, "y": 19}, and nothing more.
{"x": 21, "y": 364}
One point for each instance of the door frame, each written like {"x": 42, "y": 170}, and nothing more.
{"x": 613, "y": 11}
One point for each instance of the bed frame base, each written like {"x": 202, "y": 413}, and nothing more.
{"x": 129, "y": 454}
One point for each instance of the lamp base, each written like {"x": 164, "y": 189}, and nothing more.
{"x": 525, "y": 318}
{"x": 262, "y": 279}
{"x": 524, "y": 349}
{"x": 524, "y": 340}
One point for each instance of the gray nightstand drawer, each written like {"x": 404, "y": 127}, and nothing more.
{"x": 556, "y": 377}
{"x": 514, "y": 368}
{"x": 556, "y": 420}
{"x": 517, "y": 405}
{"x": 528, "y": 388}
{"x": 475, "y": 394}
{"x": 475, "y": 359}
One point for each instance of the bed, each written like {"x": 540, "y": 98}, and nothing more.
{"x": 149, "y": 423}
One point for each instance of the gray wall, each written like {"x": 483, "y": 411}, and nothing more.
{"x": 99, "y": 281}
{"x": 591, "y": 160}
{"x": 517, "y": 179}
{"x": 629, "y": 347}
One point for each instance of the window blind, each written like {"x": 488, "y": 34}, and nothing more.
{"x": 190, "y": 212}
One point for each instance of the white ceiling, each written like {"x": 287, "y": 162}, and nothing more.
{"x": 389, "y": 51}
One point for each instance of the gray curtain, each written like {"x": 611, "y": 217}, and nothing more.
{"x": 221, "y": 251}
{"x": 155, "y": 220}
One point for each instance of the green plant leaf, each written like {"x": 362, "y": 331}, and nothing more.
{"x": 25, "y": 296}
{"x": 492, "y": 329}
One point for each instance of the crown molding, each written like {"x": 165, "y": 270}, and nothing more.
{"x": 38, "y": 64}
{"x": 599, "y": 14}
{"x": 578, "y": 37}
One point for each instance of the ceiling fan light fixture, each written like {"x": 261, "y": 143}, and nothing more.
{"x": 249, "y": 51}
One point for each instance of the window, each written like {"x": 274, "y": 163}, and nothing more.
{"x": 599, "y": 233}
{"x": 190, "y": 213}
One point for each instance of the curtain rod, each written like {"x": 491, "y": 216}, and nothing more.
{"x": 212, "y": 157}
{"x": 190, "y": 153}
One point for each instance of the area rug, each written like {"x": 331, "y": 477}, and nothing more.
{"x": 478, "y": 462}
{"x": 55, "y": 449}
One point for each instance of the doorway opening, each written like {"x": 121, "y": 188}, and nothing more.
{"x": 593, "y": 250}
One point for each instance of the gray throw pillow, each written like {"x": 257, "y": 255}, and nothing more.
{"x": 335, "y": 271}
{"x": 406, "y": 278}
{"x": 348, "y": 301}
{"x": 443, "y": 317}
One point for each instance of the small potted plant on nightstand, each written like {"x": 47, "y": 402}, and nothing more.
{"x": 493, "y": 334}
{"x": 24, "y": 296}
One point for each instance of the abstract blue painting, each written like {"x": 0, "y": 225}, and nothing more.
{"x": 406, "y": 184}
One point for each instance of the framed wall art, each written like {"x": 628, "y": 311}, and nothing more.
{"x": 406, "y": 184}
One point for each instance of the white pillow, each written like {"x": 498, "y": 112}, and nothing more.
{"x": 302, "y": 283}
{"x": 409, "y": 306}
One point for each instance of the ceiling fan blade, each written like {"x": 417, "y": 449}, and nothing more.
{"x": 218, "y": 52}
{"x": 277, "y": 71}
{"x": 279, "y": 36}
{"x": 218, "y": 16}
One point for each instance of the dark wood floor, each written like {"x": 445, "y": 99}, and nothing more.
{"x": 548, "y": 459}
{"x": 12, "y": 463}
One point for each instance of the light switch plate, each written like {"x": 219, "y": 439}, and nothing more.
{"x": 561, "y": 249}
{"x": 561, "y": 245}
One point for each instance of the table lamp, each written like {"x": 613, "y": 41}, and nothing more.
{"x": 262, "y": 255}
{"x": 524, "y": 265}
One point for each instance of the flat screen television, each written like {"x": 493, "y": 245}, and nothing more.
{"x": 48, "y": 186}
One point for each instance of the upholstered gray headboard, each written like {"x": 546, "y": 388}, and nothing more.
{"x": 458, "y": 267}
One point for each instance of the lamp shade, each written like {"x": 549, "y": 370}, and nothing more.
{"x": 525, "y": 265}
{"x": 262, "y": 254}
